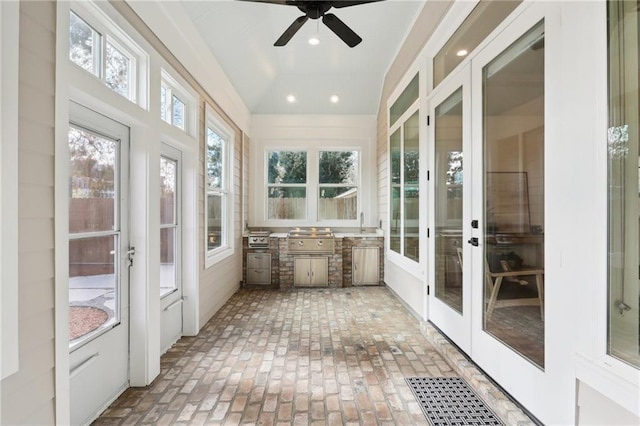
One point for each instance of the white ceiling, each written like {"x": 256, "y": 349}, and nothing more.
{"x": 241, "y": 34}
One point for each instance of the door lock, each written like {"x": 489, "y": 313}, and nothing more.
{"x": 130, "y": 253}
{"x": 474, "y": 242}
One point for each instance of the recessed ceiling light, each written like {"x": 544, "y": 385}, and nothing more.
{"x": 334, "y": 99}
{"x": 314, "y": 40}
{"x": 291, "y": 99}
{"x": 462, "y": 52}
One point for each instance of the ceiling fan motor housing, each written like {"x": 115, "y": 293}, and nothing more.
{"x": 314, "y": 9}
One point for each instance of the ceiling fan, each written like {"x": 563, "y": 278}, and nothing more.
{"x": 316, "y": 10}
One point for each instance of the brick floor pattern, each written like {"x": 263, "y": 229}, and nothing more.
{"x": 291, "y": 357}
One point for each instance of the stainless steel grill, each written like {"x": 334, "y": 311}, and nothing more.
{"x": 258, "y": 239}
{"x": 311, "y": 241}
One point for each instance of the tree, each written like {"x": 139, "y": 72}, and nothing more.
{"x": 93, "y": 161}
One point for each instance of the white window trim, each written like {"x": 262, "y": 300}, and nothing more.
{"x": 215, "y": 123}
{"x": 91, "y": 13}
{"x": 9, "y": 36}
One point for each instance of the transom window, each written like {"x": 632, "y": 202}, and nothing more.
{"x": 104, "y": 55}
{"x": 175, "y": 102}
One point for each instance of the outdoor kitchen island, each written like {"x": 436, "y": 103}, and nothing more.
{"x": 313, "y": 257}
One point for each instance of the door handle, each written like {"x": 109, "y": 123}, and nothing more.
{"x": 474, "y": 242}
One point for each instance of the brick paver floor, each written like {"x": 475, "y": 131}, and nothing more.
{"x": 302, "y": 356}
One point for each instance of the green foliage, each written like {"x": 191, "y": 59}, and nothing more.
{"x": 287, "y": 167}
{"x": 338, "y": 167}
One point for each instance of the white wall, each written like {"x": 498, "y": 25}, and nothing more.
{"x": 595, "y": 409}
{"x": 314, "y": 132}
{"x": 27, "y": 396}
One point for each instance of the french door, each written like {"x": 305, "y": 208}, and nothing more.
{"x": 491, "y": 127}
{"x": 171, "y": 299}
{"x": 99, "y": 262}
{"x": 449, "y": 129}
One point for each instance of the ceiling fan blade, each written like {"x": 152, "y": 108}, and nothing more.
{"x": 291, "y": 31}
{"x": 341, "y": 29}
{"x": 346, "y": 3}
{"x": 281, "y": 2}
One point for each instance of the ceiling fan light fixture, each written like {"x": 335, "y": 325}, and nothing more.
{"x": 314, "y": 40}
{"x": 334, "y": 98}
{"x": 291, "y": 98}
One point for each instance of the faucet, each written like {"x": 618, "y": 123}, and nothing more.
{"x": 362, "y": 222}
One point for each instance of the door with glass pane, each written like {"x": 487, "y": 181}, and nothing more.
{"x": 507, "y": 250}
{"x": 99, "y": 260}
{"x": 170, "y": 265}
{"x": 449, "y": 298}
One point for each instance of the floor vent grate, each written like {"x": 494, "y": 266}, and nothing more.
{"x": 450, "y": 401}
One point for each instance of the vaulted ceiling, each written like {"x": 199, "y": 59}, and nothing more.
{"x": 241, "y": 35}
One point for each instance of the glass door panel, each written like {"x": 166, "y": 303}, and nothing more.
{"x": 513, "y": 164}
{"x": 395, "y": 146}
{"x": 411, "y": 188}
{"x": 448, "y": 201}
{"x": 94, "y": 235}
{"x": 171, "y": 299}
{"x": 168, "y": 226}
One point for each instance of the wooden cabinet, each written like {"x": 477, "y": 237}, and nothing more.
{"x": 311, "y": 271}
{"x": 366, "y": 265}
{"x": 258, "y": 268}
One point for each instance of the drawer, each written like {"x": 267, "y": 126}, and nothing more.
{"x": 258, "y": 276}
{"x": 258, "y": 260}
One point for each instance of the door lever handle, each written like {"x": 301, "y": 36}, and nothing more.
{"x": 474, "y": 242}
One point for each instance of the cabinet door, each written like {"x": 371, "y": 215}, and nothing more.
{"x": 301, "y": 271}
{"x": 319, "y": 271}
{"x": 366, "y": 265}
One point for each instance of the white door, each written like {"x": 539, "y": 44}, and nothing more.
{"x": 450, "y": 281}
{"x": 170, "y": 248}
{"x": 99, "y": 258}
{"x": 513, "y": 127}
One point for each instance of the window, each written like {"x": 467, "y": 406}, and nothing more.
{"x": 99, "y": 51}
{"x": 84, "y": 45}
{"x": 286, "y": 185}
{"x": 94, "y": 233}
{"x": 623, "y": 182}
{"x": 405, "y": 172}
{"x": 484, "y": 18}
{"x": 219, "y": 199}
{"x": 408, "y": 96}
{"x": 174, "y": 102}
{"x": 338, "y": 190}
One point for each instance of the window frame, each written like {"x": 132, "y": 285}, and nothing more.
{"x": 111, "y": 33}
{"x": 268, "y": 185}
{"x": 173, "y": 88}
{"x": 355, "y": 185}
{"x": 399, "y": 125}
{"x": 227, "y": 248}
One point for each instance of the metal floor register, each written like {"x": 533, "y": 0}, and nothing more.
{"x": 450, "y": 401}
